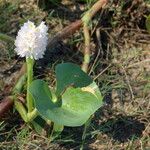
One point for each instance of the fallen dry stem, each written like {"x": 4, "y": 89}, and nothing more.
{"x": 73, "y": 27}
{"x": 67, "y": 31}
{"x": 5, "y": 105}
{"x": 94, "y": 9}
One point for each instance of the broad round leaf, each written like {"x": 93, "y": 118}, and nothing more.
{"x": 93, "y": 88}
{"x": 75, "y": 109}
{"x": 68, "y": 74}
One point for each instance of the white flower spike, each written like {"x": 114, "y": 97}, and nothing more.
{"x": 31, "y": 41}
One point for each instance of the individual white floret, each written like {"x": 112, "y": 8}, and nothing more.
{"x": 31, "y": 41}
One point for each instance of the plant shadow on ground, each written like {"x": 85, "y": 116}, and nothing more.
{"x": 69, "y": 10}
{"x": 119, "y": 129}
{"x": 122, "y": 128}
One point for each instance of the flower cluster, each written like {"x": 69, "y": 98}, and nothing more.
{"x": 31, "y": 41}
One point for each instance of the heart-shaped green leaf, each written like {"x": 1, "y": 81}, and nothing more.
{"x": 68, "y": 74}
{"x": 76, "y": 107}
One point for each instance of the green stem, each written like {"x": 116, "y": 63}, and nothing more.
{"x": 87, "y": 48}
{"x": 86, "y": 126}
{"x": 30, "y": 63}
{"x": 21, "y": 109}
{"x": 57, "y": 129}
{"x": 32, "y": 115}
{"x": 18, "y": 104}
{"x": 19, "y": 85}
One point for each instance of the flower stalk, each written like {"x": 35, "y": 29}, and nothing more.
{"x": 30, "y": 63}
{"x": 31, "y": 43}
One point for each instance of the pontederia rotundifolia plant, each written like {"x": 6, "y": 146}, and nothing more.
{"x": 75, "y": 97}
